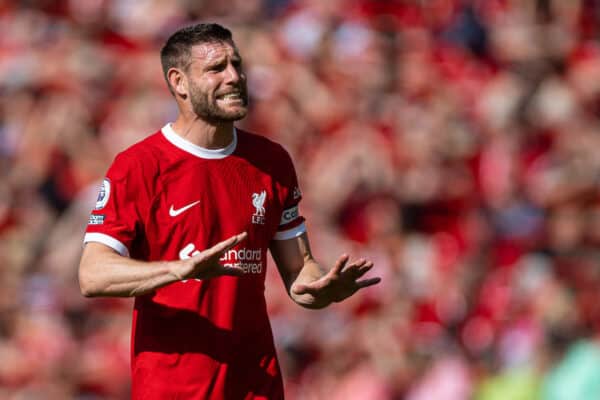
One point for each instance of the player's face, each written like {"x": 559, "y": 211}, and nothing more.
{"x": 217, "y": 83}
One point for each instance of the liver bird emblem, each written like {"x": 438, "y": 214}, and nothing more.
{"x": 258, "y": 201}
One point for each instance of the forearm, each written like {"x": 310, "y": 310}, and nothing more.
{"x": 103, "y": 272}
{"x": 298, "y": 267}
{"x": 110, "y": 274}
{"x": 308, "y": 284}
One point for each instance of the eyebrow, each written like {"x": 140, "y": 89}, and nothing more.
{"x": 221, "y": 60}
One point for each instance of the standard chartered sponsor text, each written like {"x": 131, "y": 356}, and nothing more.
{"x": 249, "y": 260}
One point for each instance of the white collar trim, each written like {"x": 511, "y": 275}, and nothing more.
{"x": 196, "y": 150}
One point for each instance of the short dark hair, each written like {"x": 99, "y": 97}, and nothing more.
{"x": 177, "y": 50}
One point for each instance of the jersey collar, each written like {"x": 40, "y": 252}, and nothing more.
{"x": 196, "y": 150}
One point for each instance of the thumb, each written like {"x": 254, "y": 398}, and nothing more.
{"x": 306, "y": 288}
{"x": 299, "y": 288}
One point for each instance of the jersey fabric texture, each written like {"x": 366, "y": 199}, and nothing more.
{"x": 165, "y": 198}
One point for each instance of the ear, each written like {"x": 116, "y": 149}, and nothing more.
{"x": 178, "y": 82}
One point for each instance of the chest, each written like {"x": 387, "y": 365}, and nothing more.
{"x": 200, "y": 204}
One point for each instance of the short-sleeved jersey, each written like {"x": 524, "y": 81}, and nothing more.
{"x": 165, "y": 198}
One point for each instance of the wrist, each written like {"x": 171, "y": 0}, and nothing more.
{"x": 310, "y": 301}
{"x": 175, "y": 270}
{"x": 311, "y": 304}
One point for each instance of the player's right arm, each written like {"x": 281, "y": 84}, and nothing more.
{"x": 122, "y": 207}
{"x": 105, "y": 272}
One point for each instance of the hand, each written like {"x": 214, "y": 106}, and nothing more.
{"x": 338, "y": 284}
{"x": 206, "y": 264}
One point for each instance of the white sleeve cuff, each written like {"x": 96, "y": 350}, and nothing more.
{"x": 110, "y": 241}
{"x": 290, "y": 233}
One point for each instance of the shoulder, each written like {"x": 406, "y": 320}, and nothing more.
{"x": 148, "y": 147}
{"x": 269, "y": 156}
{"x": 262, "y": 146}
{"x": 142, "y": 157}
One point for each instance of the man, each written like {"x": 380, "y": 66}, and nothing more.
{"x": 183, "y": 222}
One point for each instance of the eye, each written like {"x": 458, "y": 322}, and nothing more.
{"x": 217, "y": 67}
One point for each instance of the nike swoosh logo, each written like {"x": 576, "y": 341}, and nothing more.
{"x": 175, "y": 212}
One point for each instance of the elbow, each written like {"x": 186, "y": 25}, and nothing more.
{"x": 87, "y": 293}
{"x": 87, "y": 287}
{"x": 91, "y": 272}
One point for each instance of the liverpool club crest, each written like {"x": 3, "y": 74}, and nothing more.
{"x": 258, "y": 201}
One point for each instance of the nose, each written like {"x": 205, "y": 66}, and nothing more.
{"x": 233, "y": 74}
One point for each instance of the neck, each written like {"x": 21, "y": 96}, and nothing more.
{"x": 202, "y": 133}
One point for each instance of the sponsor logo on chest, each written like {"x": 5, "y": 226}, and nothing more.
{"x": 249, "y": 260}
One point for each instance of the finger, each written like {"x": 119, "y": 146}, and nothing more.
{"x": 363, "y": 270}
{"x": 225, "y": 245}
{"x": 355, "y": 266}
{"x": 299, "y": 289}
{"x": 309, "y": 288}
{"x": 229, "y": 243}
{"x": 231, "y": 271}
{"x": 368, "y": 282}
{"x": 358, "y": 263}
{"x": 339, "y": 264}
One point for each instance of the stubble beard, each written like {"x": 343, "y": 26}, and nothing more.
{"x": 208, "y": 109}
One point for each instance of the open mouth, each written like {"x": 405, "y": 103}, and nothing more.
{"x": 231, "y": 97}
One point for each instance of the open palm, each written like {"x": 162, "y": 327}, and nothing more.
{"x": 341, "y": 282}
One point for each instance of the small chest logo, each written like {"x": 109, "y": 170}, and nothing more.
{"x": 175, "y": 212}
{"x": 258, "y": 201}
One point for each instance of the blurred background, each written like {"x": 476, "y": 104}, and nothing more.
{"x": 455, "y": 143}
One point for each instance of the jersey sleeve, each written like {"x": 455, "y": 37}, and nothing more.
{"x": 291, "y": 224}
{"x": 118, "y": 213}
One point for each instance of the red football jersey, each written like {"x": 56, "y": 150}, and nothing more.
{"x": 165, "y": 198}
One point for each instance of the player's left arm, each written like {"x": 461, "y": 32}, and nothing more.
{"x": 308, "y": 283}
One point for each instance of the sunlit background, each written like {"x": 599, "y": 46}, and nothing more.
{"x": 455, "y": 143}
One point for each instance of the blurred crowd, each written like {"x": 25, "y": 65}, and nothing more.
{"x": 450, "y": 141}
